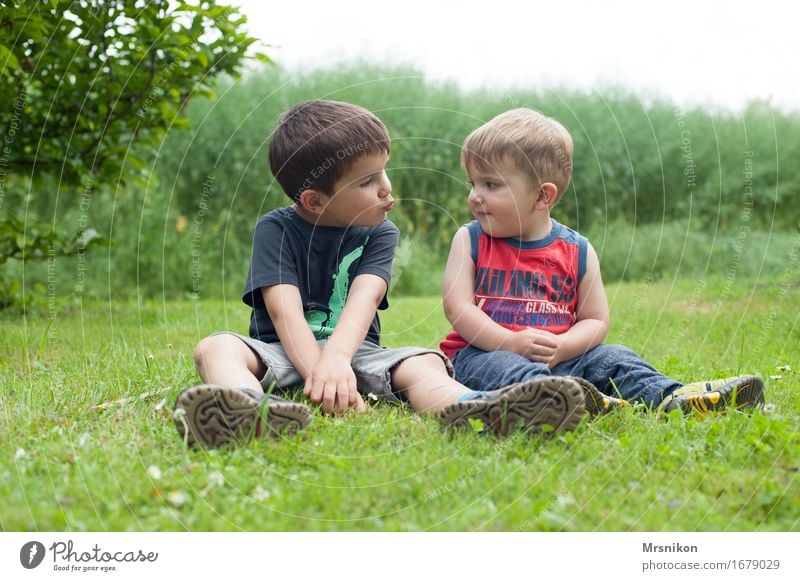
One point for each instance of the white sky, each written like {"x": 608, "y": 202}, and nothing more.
{"x": 695, "y": 52}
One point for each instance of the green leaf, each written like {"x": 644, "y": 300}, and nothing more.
{"x": 476, "y": 424}
{"x": 8, "y": 61}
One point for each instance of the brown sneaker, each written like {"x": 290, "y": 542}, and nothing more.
{"x": 557, "y": 402}
{"x": 213, "y": 415}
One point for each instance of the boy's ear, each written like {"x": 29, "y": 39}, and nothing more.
{"x": 313, "y": 201}
{"x": 546, "y": 196}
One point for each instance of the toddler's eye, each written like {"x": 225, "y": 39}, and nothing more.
{"x": 490, "y": 185}
{"x": 367, "y": 182}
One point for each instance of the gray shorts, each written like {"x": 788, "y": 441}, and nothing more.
{"x": 372, "y": 366}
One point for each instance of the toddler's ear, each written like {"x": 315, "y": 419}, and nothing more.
{"x": 546, "y": 196}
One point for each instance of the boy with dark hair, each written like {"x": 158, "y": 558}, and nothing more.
{"x": 319, "y": 272}
{"x": 524, "y": 293}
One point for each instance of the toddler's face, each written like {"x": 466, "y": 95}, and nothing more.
{"x": 501, "y": 198}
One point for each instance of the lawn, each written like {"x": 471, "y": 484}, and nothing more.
{"x": 88, "y": 441}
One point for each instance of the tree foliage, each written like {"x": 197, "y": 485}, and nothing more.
{"x": 88, "y": 88}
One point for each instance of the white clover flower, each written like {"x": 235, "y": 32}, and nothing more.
{"x": 177, "y": 498}
{"x": 259, "y": 494}
{"x": 216, "y": 479}
{"x": 154, "y": 472}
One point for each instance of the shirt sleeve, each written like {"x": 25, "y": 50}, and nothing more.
{"x": 271, "y": 261}
{"x": 379, "y": 252}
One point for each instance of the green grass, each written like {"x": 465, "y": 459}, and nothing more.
{"x": 67, "y": 465}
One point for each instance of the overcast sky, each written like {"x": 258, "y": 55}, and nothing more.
{"x": 695, "y": 52}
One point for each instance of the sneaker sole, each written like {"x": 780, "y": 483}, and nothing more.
{"x": 746, "y": 393}
{"x": 528, "y": 406}
{"x": 215, "y": 416}
{"x": 597, "y": 403}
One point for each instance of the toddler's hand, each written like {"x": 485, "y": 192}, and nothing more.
{"x": 538, "y": 345}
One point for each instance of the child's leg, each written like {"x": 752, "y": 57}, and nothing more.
{"x": 427, "y": 386}
{"x": 557, "y": 402}
{"x": 232, "y": 406}
{"x": 424, "y": 381}
{"x": 484, "y": 370}
{"x": 617, "y": 371}
{"x": 225, "y": 359}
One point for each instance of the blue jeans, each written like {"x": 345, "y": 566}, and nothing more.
{"x": 635, "y": 379}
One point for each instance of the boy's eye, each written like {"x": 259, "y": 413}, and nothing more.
{"x": 490, "y": 185}
{"x": 367, "y": 182}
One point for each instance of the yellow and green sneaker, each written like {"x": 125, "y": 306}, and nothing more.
{"x": 598, "y": 403}
{"x": 702, "y": 397}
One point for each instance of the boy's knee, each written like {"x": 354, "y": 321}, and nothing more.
{"x": 427, "y": 361}
{"x": 430, "y": 360}
{"x": 214, "y": 345}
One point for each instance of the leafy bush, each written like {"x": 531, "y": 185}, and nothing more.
{"x": 662, "y": 192}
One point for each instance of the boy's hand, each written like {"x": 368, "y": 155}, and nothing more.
{"x": 538, "y": 345}
{"x": 332, "y": 383}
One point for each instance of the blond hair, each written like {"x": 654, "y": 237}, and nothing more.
{"x": 539, "y": 146}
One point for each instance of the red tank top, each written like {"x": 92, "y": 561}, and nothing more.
{"x": 524, "y": 285}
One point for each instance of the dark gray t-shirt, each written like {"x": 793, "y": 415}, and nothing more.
{"x": 321, "y": 262}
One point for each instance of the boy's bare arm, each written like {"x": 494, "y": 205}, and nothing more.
{"x": 285, "y": 308}
{"x": 332, "y": 381}
{"x": 474, "y": 326}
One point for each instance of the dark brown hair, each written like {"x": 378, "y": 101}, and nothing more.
{"x": 316, "y": 142}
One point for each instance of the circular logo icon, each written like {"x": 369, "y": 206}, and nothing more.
{"x": 31, "y": 554}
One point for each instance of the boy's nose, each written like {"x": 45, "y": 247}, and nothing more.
{"x": 474, "y": 198}
{"x": 386, "y": 187}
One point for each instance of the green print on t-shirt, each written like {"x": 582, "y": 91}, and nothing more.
{"x": 321, "y": 323}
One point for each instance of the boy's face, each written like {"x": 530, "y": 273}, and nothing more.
{"x": 362, "y": 196}
{"x": 502, "y": 199}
